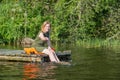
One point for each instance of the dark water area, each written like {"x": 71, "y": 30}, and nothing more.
{"x": 100, "y": 63}
{"x": 92, "y": 64}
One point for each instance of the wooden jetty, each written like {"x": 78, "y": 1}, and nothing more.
{"x": 21, "y": 56}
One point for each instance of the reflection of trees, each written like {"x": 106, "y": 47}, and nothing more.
{"x": 37, "y": 71}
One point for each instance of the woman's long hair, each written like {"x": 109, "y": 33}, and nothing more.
{"x": 43, "y": 25}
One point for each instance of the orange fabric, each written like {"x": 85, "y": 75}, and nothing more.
{"x": 31, "y": 50}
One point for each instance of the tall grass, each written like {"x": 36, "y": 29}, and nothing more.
{"x": 98, "y": 43}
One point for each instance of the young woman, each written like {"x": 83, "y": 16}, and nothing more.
{"x": 42, "y": 42}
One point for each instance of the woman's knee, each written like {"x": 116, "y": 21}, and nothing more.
{"x": 46, "y": 51}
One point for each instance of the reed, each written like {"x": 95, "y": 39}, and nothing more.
{"x": 98, "y": 43}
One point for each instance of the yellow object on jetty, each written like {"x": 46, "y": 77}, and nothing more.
{"x": 31, "y": 50}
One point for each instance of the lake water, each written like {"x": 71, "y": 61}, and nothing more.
{"x": 100, "y": 63}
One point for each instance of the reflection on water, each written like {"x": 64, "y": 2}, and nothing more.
{"x": 30, "y": 71}
{"x": 37, "y": 71}
{"x": 26, "y": 71}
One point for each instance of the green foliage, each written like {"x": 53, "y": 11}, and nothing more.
{"x": 72, "y": 20}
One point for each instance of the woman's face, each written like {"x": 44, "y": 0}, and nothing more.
{"x": 47, "y": 27}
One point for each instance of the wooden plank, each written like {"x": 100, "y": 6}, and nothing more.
{"x": 20, "y": 59}
{"x": 19, "y": 55}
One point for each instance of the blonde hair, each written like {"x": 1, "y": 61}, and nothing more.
{"x": 43, "y": 25}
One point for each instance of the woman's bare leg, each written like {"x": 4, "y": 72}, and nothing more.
{"x": 53, "y": 57}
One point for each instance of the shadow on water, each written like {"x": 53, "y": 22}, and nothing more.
{"x": 100, "y": 63}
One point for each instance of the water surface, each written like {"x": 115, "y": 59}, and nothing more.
{"x": 87, "y": 64}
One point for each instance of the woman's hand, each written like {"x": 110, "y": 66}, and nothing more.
{"x": 46, "y": 38}
{"x": 49, "y": 48}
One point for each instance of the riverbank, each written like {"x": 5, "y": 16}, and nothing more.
{"x": 99, "y": 43}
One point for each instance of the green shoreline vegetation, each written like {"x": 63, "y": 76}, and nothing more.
{"x": 89, "y": 23}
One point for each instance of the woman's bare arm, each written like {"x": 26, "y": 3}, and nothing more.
{"x": 42, "y": 37}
